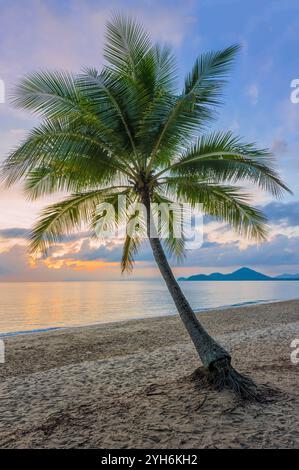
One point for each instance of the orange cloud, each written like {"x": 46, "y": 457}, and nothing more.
{"x": 78, "y": 265}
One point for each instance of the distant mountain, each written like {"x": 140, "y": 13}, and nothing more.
{"x": 242, "y": 274}
{"x": 288, "y": 276}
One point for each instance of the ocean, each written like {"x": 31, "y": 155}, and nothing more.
{"x": 36, "y": 306}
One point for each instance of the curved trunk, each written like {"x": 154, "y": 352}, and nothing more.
{"x": 214, "y": 357}
{"x": 208, "y": 349}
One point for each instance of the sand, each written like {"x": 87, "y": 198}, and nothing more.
{"x": 127, "y": 385}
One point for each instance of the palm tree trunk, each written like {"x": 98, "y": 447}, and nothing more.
{"x": 207, "y": 348}
{"x": 216, "y": 360}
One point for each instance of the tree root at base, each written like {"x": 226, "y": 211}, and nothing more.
{"x": 222, "y": 376}
{"x": 243, "y": 387}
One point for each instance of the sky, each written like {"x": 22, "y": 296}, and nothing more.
{"x": 69, "y": 34}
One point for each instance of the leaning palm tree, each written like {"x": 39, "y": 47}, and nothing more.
{"x": 127, "y": 131}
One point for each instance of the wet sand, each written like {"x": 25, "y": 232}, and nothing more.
{"x": 126, "y": 385}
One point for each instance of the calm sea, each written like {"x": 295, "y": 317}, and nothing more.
{"x": 38, "y": 306}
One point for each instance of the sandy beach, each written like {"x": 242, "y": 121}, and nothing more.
{"x": 127, "y": 385}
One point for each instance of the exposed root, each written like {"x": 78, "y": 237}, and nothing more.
{"x": 222, "y": 376}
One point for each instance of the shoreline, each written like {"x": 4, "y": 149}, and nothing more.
{"x": 127, "y": 384}
{"x": 197, "y": 311}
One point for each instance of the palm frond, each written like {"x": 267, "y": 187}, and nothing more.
{"x": 209, "y": 73}
{"x": 116, "y": 216}
{"x": 222, "y": 157}
{"x": 66, "y": 148}
{"x": 226, "y": 203}
{"x": 126, "y": 44}
{"x": 166, "y": 71}
{"x": 130, "y": 249}
{"x": 104, "y": 94}
{"x": 169, "y": 216}
{"x": 190, "y": 112}
{"x": 64, "y": 217}
{"x": 52, "y": 95}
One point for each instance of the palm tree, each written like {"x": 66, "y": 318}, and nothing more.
{"x": 126, "y": 130}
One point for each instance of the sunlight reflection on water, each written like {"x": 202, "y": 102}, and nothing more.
{"x": 31, "y": 306}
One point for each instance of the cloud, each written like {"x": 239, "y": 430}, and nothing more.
{"x": 4, "y": 270}
{"x": 91, "y": 255}
{"x": 216, "y": 3}
{"x": 16, "y": 265}
{"x": 77, "y": 252}
{"x": 87, "y": 261}
{"x": 13, "y": 233}
{"x": 279, "y": 146}
{"x": 286, "y": 214}
{"x": 14, "y": 262}
{"x": 9, "y": 139}
{"x": 253, "y": 93}
{"x": 70, "y": 37}
{"x": 290, "y": 116}
{"x": 280, "y": 251}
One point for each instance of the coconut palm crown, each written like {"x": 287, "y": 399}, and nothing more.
{"x": 128, "y": 130}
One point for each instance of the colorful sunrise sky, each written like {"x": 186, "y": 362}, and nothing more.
{"x": 68, "y": 34}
